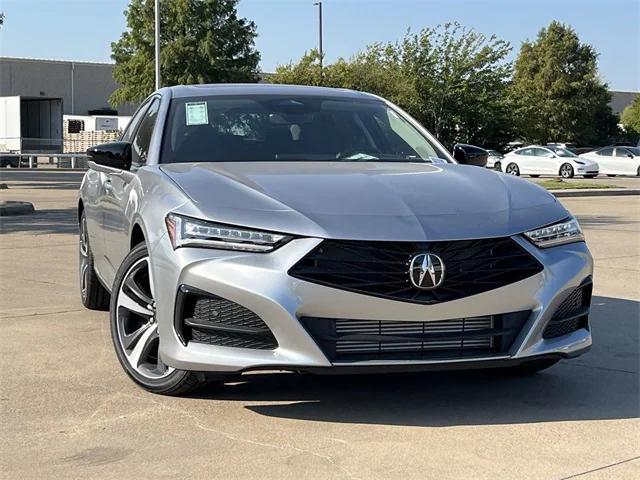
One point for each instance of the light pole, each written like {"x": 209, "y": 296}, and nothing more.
{"x": 157, "y": 42}
{"x": 319, "y": 4}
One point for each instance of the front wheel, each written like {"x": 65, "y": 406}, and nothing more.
{"x": 134, "y": 329}
{"x": 566, "y": 170}
{"x": 512, "y": 169}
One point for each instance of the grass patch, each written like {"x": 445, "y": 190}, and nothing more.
{"x": 559, "y": 184}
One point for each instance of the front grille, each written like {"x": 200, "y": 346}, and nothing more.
{"x": 382, "y": 268}
{"x": 572, "y": 314}
{"x": 357, "y": 340}
{"x": 205, "y": 318}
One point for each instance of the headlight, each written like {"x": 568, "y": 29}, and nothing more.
{"x": 567, "y": 231}
{"x": 189, "y": 232}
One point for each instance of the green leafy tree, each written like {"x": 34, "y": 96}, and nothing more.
{"x": 556, "y": 92}
{"x": 201, "y": 41}
{"x": 630, "y": 117}
{"x": 452, "y": 79}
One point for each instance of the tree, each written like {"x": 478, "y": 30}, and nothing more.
{"x": 460, "y": 77}
{"x": 202, "y": 41}
{"x": 556, "y": 92}
{"x": 630, "y": 117}
{"x": 452, "y": 79}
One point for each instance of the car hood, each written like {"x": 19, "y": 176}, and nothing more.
{"x": 365, "y": 200}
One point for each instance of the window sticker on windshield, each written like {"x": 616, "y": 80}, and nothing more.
{"x": 197, "y": 113}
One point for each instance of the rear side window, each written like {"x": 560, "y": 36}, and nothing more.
{"x": 142, "y": 139}
{"x": 606, "y": 152}
{"x": 622, "y": 152}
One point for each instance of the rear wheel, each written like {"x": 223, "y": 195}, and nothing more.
{"x": 534, "y": 176}
{"x": 497, "y": 166}
{"x": 93, "y": 295}
{"x": 566, "y": 170}
{"x": 134, "y": 329}
{"x": 609, "y": 175}
{"x": 512, "y": 169}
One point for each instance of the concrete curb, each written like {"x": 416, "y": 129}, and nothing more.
{"x": 9, "y": 207}
{"x": 595, "y": 192}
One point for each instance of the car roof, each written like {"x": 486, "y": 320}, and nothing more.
{"x": 222, "y": 89}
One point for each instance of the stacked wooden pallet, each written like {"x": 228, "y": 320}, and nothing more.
{"x": 79, "y": 142}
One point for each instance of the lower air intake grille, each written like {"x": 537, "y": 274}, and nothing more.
{"x": 572, "y": 314}
{"x": 354, "y": 340}
{"x": 205, "y": 318}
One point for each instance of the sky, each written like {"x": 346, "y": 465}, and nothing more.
{"x": 84, "y": 29}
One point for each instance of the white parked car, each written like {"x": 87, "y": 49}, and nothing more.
{"x": 536, "y": 160}
{"x": 616, "y": 160}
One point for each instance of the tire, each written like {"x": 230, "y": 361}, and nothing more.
{"x": 609, "y": 175}
{"x": 512, "y": 169}
{"x": 497, "y": 166}
{"x": 134, "y": 330}
{"x": 93, "y": 295}
{"x": 534, "y": 176}
{"x": 532, "y": 367}
{"x": 566, "y": 170}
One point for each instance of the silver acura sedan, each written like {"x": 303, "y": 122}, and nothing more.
{"x": 245, "y": 227}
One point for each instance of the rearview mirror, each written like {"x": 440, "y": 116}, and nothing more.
{"x": 470, "y": 155}
{"x": 113, "y": 154}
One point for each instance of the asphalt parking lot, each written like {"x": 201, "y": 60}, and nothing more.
{"x": 67, "y": 410}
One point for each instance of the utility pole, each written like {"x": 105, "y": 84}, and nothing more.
{"x": 319, "y": 4}
{"x": 157, "y": 41}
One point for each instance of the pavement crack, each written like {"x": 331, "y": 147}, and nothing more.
{"x": 236, "y": 438}
{"x": 601, "y": 468}
{"x": 601, "y": 368}
{"x": 40, "y": 314}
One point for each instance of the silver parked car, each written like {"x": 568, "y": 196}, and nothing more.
{"x": 243, "y": 227}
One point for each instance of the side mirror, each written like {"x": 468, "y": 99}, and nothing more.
{"x": 114, "y": 155}
{"x": 470, "y": 155}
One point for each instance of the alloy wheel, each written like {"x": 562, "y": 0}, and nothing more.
{"x": 512, "y": 169}
{"x": 136, "y": 322}
{"x": 566, "y": 171}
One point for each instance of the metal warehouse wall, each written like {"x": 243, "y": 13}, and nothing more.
{"x": 92, "y": 83}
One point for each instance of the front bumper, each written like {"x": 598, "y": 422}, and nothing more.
{"x": 260, "y": 283}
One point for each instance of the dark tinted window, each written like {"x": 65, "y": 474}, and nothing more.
{"x": 142, "y": 140}
{"x": 622, "y": 152}
{"x": 606, "y": 152}
{"x": 133, "y": 123}
{"x": 280, "y": 127}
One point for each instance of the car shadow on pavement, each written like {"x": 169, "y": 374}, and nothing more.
{"x": 42, "y": 222}
{"x": 601, "y": 385}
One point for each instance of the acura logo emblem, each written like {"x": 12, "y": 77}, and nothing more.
{"x": 426, "y": 271}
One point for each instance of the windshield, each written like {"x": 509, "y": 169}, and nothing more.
{"x": 563, "y": 152}
{"x": 295, "y": 128}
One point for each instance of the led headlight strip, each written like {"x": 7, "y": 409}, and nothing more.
{"x": 189, "y": 232}
{"x": 566, "y": 231}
